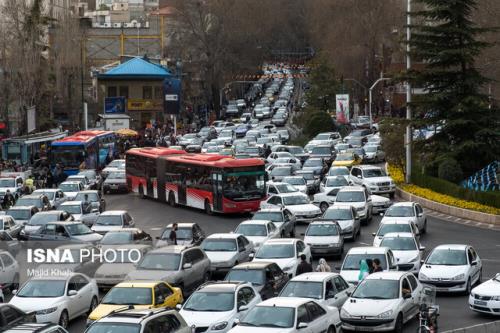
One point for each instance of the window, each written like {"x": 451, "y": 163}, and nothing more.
{"x": 338, "y": 283}
{"x": 413, "y": 281}
{"x": 147, "y": 92}
{"x": 188, "y": 258}
{"x": 49, "y": 230}
{"x": 302, "y": 315}
{"x": 123, "y": 91}
{"x": 272, "y": 190}
{"x": 471, "y": 257}
{"x": 163, "y": 324}
{"x": 197, "y": 255}
{"x": 300, "y": 247}
{"x": 315, "y": 311}
{"x": 241, "y": 244}
{"x": 271, "y": 227}
{"x": 474, "y": 254}
{"x": 73, "y": 284}
{"x": 329, "y": 290}
{"x": 112, "y": 91}
{"x": 275, "y": 270}
{"x": 164, "y": 290}
{"x": 158, "y": 92}
{"x": 245, "y": 296}
{"x": 405, "y": 286}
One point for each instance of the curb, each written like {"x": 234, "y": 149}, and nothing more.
{"x": 462, "y": 213}
{"x": 491, "y": 327}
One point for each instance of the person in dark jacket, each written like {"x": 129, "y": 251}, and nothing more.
{"x": 304, "y": 266}
{"x": 172, "y": 238}
{"x": 377, "y": 267}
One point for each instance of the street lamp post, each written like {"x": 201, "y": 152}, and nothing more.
{"x": 408, "y": 95}
{"x": 362, "y": 86}
{"x": 370, "y": 97}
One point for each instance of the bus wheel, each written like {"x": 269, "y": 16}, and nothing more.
{"x": 141, "y": 192}
{"x": 208, "y": 209}
{"x": 171, "y": 199}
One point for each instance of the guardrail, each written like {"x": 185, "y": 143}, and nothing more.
{"x": 493, "y": 327}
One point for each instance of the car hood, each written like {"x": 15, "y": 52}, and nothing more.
{"x": 115, "y": 269}
{"x": 282, "y": 262}
{"x": 105, "y": 228}
{"x": 404, "y": 257}
{"x": 250, "y": 329}
{"x": 165, "y": 242}
{"x": 257, "y": 239}
{"x": 342, "y": 163}
{"x": 30, "y": 304}
{"x": 304, "y": 209}
{"x": 379, "y": 179}
{"x": 71, "y": 195}
{"x": 345, "y": 223}
{"x": 379, "y": 200}
{"x": 369, "y": 307}
{"x": 93, "y": 237}
{"x": 216, "y": 256}
{"x": 396, "y": 219}
{"x": 354, "y": 204}
{"x": 105, "y": 309}
{"x": 442, "y": 271}
{"x": 159, "y": 275}
{"x": 115, "y": 181}
{"x": 321, "y": 239}
{"x": 203, "y": 319}
{"x": 489, "y": 288}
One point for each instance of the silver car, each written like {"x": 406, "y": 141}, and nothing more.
{"x": 180, "y": 266}
{"x": 347, "y": 218}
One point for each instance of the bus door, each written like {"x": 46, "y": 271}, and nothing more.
{"x": 181, "y": 194}
{"x": 217, "y": 191}
{"x": 150, "y": 175}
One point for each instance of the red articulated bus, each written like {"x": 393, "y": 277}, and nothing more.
{"x": 214, "y": 183}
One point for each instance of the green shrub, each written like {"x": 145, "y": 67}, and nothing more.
{"x": 449, "y": 169}
{"x": 318, "y": 122}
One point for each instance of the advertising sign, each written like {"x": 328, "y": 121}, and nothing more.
{"x": 172, "y": 89}
{"x": 342, "y": 108}
{"x": 114, "y": 105}
{"x": 137, "y": 104}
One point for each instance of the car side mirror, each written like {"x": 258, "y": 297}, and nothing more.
{"x": 13, "y": 292}
{"x": 381, "y": 213}
{"x": 187, "y": 266}
{"x": 374, "y": 234}
{"x": 301, "y": 326}
{"x": 251, "y": 255}
{"x": 338, "y": 268}
{"x": 406, "y": 295}
{"x": 178, "y": 306}
{"x": 474, "y": 263}
{"x": 242, "y": 308}
{"x": 72, "y": 293}
{"x": 420, "y": 214}
{"x": 422, "y": 248}
{"x": 95, "y": 210}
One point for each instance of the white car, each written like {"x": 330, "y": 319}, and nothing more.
{"x": 289, "y": 315}
{"x": 485, "y": 298}
{"x": 80, "y": 212}
{"x": 374, "y": 179}
{"x": 380, "y": 203}
{"x": 55, "y": 196}
{"x": 407, "y": 211}
{"x": 57, "y": 299}
{"x": 347, "y": 218}
{"x": 297, "y": 182}
{"x": 216, "y": 307}
{"x": 293, "y": 161}
{"x": 113, "y": 166}
{"x": 394, "y": 226}
{"x": 285, "y": 252}
{"x": 297, "y": 203}
{"x": 452, "y": 268}
{"x": 226, "y": 251}
{"x": 327, "y": 288}
{"x": 258, "y": 231}
{"x": 333, "y": 182}
{"x": 338, "y": 171}
{"x": 274, "y": 156}
{"x": 71, "y": 188}
{"x": 350, "y": 267}
{"x": 9, "y": 271}
{"x": 406, "y": 249}
{"x": 325, "y": 199}
{"x": 359, "y": 198}
{"x": 82, "y": 179}
{"x": 324, "y": 237}
{"x": 383, "y": 301}
{"x": 113, "y": 220}
{"x": 280, "y": 187}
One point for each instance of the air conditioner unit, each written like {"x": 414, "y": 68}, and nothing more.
{"x": 107, "y": 25}
{"x": 117, "y": 25}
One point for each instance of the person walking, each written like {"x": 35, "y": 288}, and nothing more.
{"x": 304, "y": 266}
{"x": 323, "y": 266}
{"x": 364, "y": 270}
{"x": 172, "y": 238}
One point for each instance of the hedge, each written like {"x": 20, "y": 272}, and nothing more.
{"x": 451, "y": 189}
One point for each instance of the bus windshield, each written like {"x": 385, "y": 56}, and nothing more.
{"x": 244, "y": 186}
{"x": 68, "y": 156}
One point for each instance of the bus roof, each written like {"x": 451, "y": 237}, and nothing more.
{"x": 155, "y": 152}
{"x": 80, "y": 137}
{"x": 214, "y": 160}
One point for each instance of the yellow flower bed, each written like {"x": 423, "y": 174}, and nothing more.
{"x": 398, "y": 176}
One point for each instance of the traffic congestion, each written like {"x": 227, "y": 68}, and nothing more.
{"x": 296, "y": 260}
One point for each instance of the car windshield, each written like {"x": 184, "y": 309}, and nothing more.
{"x": 114, "y": 327}
{"x": 182, "y": 233}
{"x": 306, "y": 175}
{"x": 344, "y": 157}
{"x": 43, "y": 288}
{"x": 267, "y": 316}
{"x": 109, "y": 220}
{"x": 281, "y": 171}
{"x": 321, "y": 151}
{"x": 19, "y": 214}
{"x": 219, "y": 245}
{"x": 295, "y": 200}
{"x": 69, "y": 187}
{"x": 352, "y": 261}
{"x": 377, "y": 289}
{"x": 322, "y": 137}
{"x": 112, "y": 238}
{"x": 350, "y": 196}
{"x": 210, "y": 301}
{"x": 7, "y": 182}
{"x": 400, "y": 211}
{"x": 77, "y": 229}
{"x": 276, "y": 251}
{"x": 91, "y": 174}
{"x": 336, "y": 181}
{"x": 399, "y": 243}
{"x": 252, "y": 230}
{"x": 322, "y": 230}
{"x": 252, "y": 150}
{"x": 72, "y": 209}
{"x": 391, "y": 227}
{"x": 370, "y": 173}
{"x": 338, "y": 214}
{"x": 253, "y": 276}
{"x": 356, "y": 133}
{"x": 271, "y": 216}
{"x": 338, "y": 172}
{"x": 447, "y": 257}
{"x": 285, "y": 188}
{"x": 313, "y": 162}
{"x": 295, "y": 181}
{"x": 306, "y": 289}
{"x": 371, "y": 149}
{"x": 50, "y": 194}
{"x": 29, "y": 202}
{"x": 116, "y": 175}
{"x": 91, "y": 197}
{"x": 160, "y": 261}
{"x": 296, "y": 150}
{"x": 128, "y": 296}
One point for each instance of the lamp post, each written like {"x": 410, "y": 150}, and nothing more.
{"x": 361, "y": 85}
{"x": 370, "y": 97}
{"x": 408, "y": 95}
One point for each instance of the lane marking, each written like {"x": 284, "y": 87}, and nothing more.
{"x": 364, "y": 243}
{"x": 467, "y": 222}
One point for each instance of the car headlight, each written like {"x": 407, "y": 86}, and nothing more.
{"x": 459, "y": 277}
{"x": 422, "y": 276}
{"x": 348, "y": 229}
{"x": 344, "y": 313}
{"x": 360, "y": 209}
{"x": 386, "y": 314}
{"x": 46, "y": 311}
{"x": 333, "y": 245}
{"x": 495, "y": 298}
{"x": 219, "y": 326}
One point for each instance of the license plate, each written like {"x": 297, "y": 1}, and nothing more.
{"x": 384, "y": 189}
{"x": 114, "y": 187}
{"x": 480, "y": 303}
{"x": 364, "y": 329}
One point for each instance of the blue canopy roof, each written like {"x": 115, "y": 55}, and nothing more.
{"x": 137, "y": 68}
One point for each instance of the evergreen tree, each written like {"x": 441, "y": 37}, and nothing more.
{"x": 447, "y": 41}
{"x": 324, "y": 85}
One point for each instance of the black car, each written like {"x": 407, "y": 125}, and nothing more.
{"x": 326, "y": 152}
{"x": 11, "y": 316}
{"x": 266, "y": 277}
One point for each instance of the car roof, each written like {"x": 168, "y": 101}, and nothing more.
{"x": 73, "y": 202}
{"x": 45, "y": 190}
{"x": 89, "y": 191}
{"x": 30, "y": 328}
{"x": 396, "y": 222}
{"x": 451, "y": 247}
{"x": 124, "y": 230}
{"x": 137, "y": 284}
{"x": 291, "y": 194}
{"x": 364, "y": 166}
{"x": 271, "y": 209}
{"x": 288, "y": 302}
{"x": 255, "y": 222}
{"x": 403, "y": 204}
{"x": 253, "y": 265}
{"x": 63, "y": 276}
{"x": 182, "y": 224}
{"x": 314, "y": 276}
{"x": 222, "y": 286}
{"x": 113, "y": 212}
{"x": 51, "y": 212}
{"x": 21, "y": 207}
{"x": 71, "y": 182}
{"x": 282, "y": 241}
{"x": 400, "y": 234}
{"x": 367, "y": 250}
{"x": 352, "y": 189}
{"x": 224, "y": 236}
{"x": 390, "y": 275}
{"x": 170, "y": 249}
{"x": 32, "y": 196}
{"x": 134, "y": 315}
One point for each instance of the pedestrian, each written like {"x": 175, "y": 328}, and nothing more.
{"x": 364, "y": 270}
{"x": 377, "y": 267}
{"x": 173, "y": 234}
{"x": 304, "y": 266}
{"x": 323, "y": 266}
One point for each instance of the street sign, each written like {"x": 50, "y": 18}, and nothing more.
{"x": 172, "y": 92}
{"x": 171, "y": 98}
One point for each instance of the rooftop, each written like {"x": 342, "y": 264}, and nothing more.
{"x": 136, "y": 68}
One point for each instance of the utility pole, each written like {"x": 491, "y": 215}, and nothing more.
{"x": 370, "y": 97}
{"x": 408, "y": 95}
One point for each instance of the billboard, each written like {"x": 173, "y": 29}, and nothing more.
{"x": 342, "y": 108}
{"x": 172, "y": 89}
{"x": 114, "y": 104}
